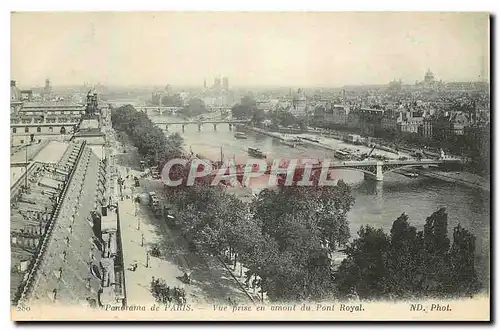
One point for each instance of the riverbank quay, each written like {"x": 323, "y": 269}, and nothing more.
{"x": 283, "y": 136}
{"x": 332, "y": 142}
{"x": 462, "y": 178}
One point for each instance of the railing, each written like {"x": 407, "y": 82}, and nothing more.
{"x": 29, "y": 281}
{"x": 21, "y": 179}
{"x": 205, "y": 122}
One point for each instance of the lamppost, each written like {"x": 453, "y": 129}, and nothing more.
{"x": 26, "y": 163}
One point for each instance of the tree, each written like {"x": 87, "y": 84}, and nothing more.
{"x": 245, "y": 109}
{"x": 151, "y": 142}
{"x": 194, "y": 107}
{"x": 436, "y": 249}
{"x": 409, "y": 264}
{"x": 365, "y": 270}
{"x": 463, "y": 275}
{"x": 258, "y": 116}
{"x": 406, "y": 251}
{"x": 174, "y": 100}
{"x": 303, "y": 224}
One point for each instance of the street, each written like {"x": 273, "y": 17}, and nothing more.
{"x": 211, "y": 282}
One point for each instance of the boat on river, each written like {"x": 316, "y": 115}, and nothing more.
{"x": 252, "y": 151}
{"x": 309, "y": 139}
{"x": 240, "y": 135}
{"x": 289, "y": 143}
{"x": 342, "y": 155}
{"x": 411, "y": 174}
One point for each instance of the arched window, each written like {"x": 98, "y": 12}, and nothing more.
{"x": 38, "y": 129}
{"x": 14, "y": 130}
{"x": 63, "y": 130}
{"x": 26, "y": 129}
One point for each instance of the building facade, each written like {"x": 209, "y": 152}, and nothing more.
{"x": 337, "y": 114}
{"x": 370, "y": 120}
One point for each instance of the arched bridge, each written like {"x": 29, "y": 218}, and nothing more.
{"x": 173, "y": 110}
{"x": 201, "y": 122}
{"x": 159, "y": 109}
{"x": 373, "y": 169}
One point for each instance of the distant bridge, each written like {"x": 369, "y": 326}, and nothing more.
{"x": 372, "y": 169}
{"x": 173, "y": 110}
{"x": 159, "y": 109}
{"x": 201, "y": 122}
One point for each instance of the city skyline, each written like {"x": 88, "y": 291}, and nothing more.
{"x": 251, "y": 49}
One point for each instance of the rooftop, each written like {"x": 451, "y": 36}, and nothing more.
{"x": 52, "y": 152}
{"x": 89, "y": 124}
{"x": 56, "y": 249}
{"x": 52, "y": 104}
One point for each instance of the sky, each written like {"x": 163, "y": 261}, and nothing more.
{"x": 302, "y": 49}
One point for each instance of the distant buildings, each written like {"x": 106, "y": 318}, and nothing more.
{"x": 218, "y": 94}
{"x": 47, "y": 90}
{"x": 402, "y": 120}
{"x": 298, "y": 107}
{"x": 337, "y": 114}
{"x": 370, "y": 120}
{"x": 33, "y": 122}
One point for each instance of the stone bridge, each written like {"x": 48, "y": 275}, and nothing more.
{"x": 159, "y": 109}
{"x": 172, "y": 110}
{"x": 200, "y": 123}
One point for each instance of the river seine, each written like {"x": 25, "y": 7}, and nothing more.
{"x": 377, "y": 203}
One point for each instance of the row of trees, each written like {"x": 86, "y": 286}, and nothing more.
{"x": 247, "y": 109}
{"x": 410, "y": 264}
{"x": 194, "y": 107}
{"x": 287, "y": 236}
{"x": 284, "y": 236}
{"x": 149, "y": 139}
{"x": 171, "y": 100}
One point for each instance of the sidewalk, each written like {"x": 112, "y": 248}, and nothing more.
{"x": 137, "y": 282}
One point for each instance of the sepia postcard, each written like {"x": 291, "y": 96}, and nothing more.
{"x": 250, "y": 166}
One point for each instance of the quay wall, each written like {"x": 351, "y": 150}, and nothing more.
{"x": 279, "y": 136}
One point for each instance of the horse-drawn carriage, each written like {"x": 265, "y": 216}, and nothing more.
{"x": 166, "y": 294}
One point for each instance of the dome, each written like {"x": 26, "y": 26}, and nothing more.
{"x": 429, "y": 76}
{"x": 15, "y": 92}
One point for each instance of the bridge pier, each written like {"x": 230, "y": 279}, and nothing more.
{"x": 215, "y": 127}
{"x": 378, "y": 176}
